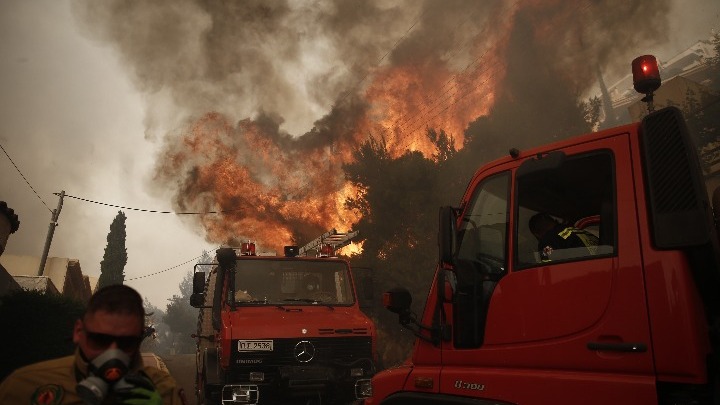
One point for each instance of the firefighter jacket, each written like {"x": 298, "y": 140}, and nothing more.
{"x": 53, "y": 382}
{"x": 566, "y": 237}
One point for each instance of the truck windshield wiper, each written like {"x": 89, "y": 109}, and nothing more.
{"x": 252, "y": 302}
{"x": 309, "y": 301}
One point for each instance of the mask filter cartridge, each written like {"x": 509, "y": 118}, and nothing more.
{"x": 107, "y": 369}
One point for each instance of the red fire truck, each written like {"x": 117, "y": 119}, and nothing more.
{"x": 629, "y": 315}
{"x": 282, "y": 329}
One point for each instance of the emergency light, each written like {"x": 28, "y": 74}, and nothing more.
{"x": 247, "y": 249}
{"x": 326, "y": 251}
{"x": 646, "y": 74}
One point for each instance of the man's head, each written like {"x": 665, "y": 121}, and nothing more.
{"x": 114, "y": 318}
{"x": 311, "y": 283}
{"x": 540, "y": 223}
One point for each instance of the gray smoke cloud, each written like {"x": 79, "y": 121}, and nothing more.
{"x": 238, "y": 58}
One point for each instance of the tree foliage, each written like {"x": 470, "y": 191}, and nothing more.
{"x": 115, "y": 258}
{"x": 180, "y": 318}
{"x": 399, "y": 201}
{"x": 160, "y": 341}
{"x": 38, "y": 326}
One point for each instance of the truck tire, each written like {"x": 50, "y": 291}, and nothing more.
{"x": 202, "y": 399}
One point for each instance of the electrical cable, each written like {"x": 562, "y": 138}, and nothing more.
{"x": 26, "y": 180}
{"x": 402, "y": 38}
{"x": 163, "y": 271}
{"x": 439, "y": 100}
{"x": 146, "y": 210}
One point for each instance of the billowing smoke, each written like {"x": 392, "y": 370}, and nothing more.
{"x": 258, "y": 103}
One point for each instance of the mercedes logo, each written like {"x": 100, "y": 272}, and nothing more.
{"x": 304, "y": 351}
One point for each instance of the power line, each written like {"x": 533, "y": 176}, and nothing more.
{"x": 402, "y": 38}
{"x": 26, "y": 180}
{"x": 442, "y": 98}
{"x": 163, "y": 271}
{"x": 147, "y": 210}
{"x": 173, "y": 267}
{"x": 417, "y": 127}
{"x": 446, "y": 87}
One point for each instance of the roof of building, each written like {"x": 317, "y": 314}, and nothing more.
{"x": 65, "y": 274}
{"x": 37, "y": 283}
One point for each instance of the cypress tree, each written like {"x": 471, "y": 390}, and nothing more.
{"x": 115, "y": 257}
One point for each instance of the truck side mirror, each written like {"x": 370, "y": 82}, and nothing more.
{"x": 197, "y": 299}
{"x": 397, "y": 300}
{"x": 199, "y": 282}
{"x": 447, "y": 234}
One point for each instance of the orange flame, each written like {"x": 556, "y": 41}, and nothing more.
{"x": 278, "y": 190}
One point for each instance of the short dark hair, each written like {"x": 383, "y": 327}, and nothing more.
{"x": 541, "y": 220}
{"x": 117, "y": 299}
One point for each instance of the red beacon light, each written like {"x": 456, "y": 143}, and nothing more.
{"x": 326, "y": 251}
{"x": 247, "y": 249}
{"x": 646, "y": 74}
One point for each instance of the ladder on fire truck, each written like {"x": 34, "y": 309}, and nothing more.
{"x": 331, "y": 238}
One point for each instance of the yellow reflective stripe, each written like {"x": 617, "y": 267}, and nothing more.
{"x": 592, "y": 247}
{"x": 565, "y": 233}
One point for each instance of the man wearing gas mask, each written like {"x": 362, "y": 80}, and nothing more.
{"x": 106, "y": 367}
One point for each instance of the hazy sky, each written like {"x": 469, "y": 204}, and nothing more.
{"x": 72, "y": 121}
{"x": 75, "y": 115}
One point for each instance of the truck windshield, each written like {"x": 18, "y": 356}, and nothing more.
{"x": 293, "y": 282}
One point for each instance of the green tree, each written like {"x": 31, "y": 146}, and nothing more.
{"x": 444, "y": 143}
{"x": 115, "y": 257}
{"x": 39, "y": 326}
{"x": 714, "y": 61}
{"x": 159, "y": 341}
{"x": 591, "y": 111}
{"x": 180, "y": 317}
{"x": 702, "y": 114}
{"x": 399, "y": 200}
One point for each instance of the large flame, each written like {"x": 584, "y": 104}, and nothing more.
{"x": 269, "y": 189}
{"x": 277, "y": 190}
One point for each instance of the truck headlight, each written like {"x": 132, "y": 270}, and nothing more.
{"x": 363, "y": 389}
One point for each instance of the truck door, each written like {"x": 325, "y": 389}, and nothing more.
{"x": 565, "y": 314}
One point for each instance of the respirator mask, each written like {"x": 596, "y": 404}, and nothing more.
{"x": 109, "y": 371}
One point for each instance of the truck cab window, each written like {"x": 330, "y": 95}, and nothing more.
{"x": 567, "y": 213}
{"x": 483, "y": 229}
{"x": 480, "y": 261}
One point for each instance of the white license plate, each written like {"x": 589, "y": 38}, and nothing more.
{"x": 255, "y": 345}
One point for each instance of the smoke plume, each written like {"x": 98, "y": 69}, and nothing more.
{"x": 258, "y": 104}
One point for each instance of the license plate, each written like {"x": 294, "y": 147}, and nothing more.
{"x": 255, "y": 345}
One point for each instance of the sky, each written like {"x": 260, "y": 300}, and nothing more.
{"x": 98, "y": 99}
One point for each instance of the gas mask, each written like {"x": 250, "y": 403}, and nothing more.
{"x": 107, "y": 371}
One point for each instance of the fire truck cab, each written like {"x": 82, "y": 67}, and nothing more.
{"x": 282, "y": 329}
{"x": 629, "y": 315}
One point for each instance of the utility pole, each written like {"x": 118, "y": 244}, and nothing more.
{"x": 51, "y": 231}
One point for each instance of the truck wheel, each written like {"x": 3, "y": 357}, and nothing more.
{"x": 203, "y": 392}
{"x": 201, "y": 399}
